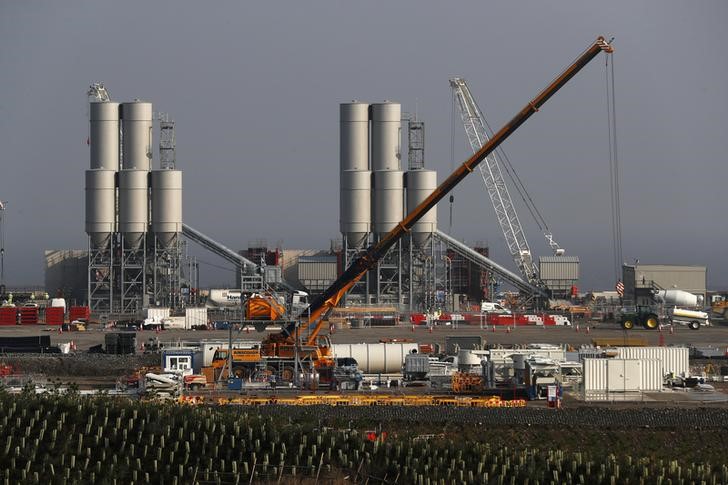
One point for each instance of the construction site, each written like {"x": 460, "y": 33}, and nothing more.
{"x": 348, "y": 363}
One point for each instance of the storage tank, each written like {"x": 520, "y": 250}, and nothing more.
{"x": 100, "y": 205}
{"x": 166, "y": 205}
{"x": 420, "y": 184}
{"x": 386, "y": 130}
{"x": 376, "y": 358}
{"x": 133, "y": 206}
{"x": 387, "y": 201}
{"x": 354, "y": 136}
{"x": 103, "y": 135}
{"x": 136, "y": 119}
{"x": 355, "y": 206}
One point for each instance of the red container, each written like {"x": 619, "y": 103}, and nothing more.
{"x": 54, "y": 315}
{"x": 8, "y": 316}
{"x": 29, "y": 316}
{"x": 79, "y": 313}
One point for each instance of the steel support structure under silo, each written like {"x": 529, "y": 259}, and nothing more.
{"x": 100, "y": 277}
{"x": 133, "y": 282}
{"x": 167, "y": 274}
{"x": 386, "y": 280}
{"x": 359, "y": 293}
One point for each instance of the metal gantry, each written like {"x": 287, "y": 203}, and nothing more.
{"x": 490, "y": 171}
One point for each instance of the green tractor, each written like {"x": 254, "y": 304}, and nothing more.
{"x": 644, "y": 316}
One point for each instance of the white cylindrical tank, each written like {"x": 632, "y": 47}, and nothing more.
{"x": 679, "y": 297}
{"x": 355, "y": 206}
{"x": 420, "y": 184}
{"x": 386, "y": 134}
{"x": 468, "y": 361}
{"x": 136, "y": 119}
{"x": 133, "y": 206}
{"x": 103, "y": 135}
{"x": 387, "y": 200}
{"x": 376, "y": 358}
{"x": 354, "y": 136}
{"x": 166, "y": 205}
{"x": 100, "y": 205}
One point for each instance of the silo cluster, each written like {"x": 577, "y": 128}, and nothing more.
{"x": 123, "y": 194}
{"x": 372, "y": 183}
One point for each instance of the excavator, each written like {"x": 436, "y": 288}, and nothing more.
{"x": 302, "y": 338}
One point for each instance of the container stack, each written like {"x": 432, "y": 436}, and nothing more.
{"x": 120, "y": 343}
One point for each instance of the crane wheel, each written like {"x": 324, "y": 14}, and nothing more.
{"x": 628, "y": 324}
{"x": 241, "y": 372}
{"x": 694, "y": 325}
{"x": 288, "y": 374}
{"x": 651, "y": 322}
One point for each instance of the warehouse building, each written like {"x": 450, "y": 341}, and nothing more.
{"x": 642, "y": 280}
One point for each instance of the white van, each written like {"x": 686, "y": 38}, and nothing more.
{"x": 490, "y": 307}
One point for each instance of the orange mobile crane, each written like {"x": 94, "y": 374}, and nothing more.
{"x": 288, "y": 343}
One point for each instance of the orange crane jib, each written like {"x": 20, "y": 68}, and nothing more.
{"x": 313, "y": 316}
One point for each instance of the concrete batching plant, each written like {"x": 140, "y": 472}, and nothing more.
{"x": 133, "y": 213}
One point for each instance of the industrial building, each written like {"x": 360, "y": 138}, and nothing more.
{"x": 642, "y": 281}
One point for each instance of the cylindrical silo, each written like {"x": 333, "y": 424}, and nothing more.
{"x": 136, "y": 120}
{"x": 133, "y": 206}
{"x": 103, "y": 137}
{"x": 387, "y": 200}
{"x": 386, "y": 133}
{"x": 166, "y": 205}
{"x": 420, "y": 184}
{"x": 355, "y": 206}
{"x": 100, "y": 205}
{"x": 354, "y": 136}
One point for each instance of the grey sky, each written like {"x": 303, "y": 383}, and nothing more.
{"x": 254, "y": 89}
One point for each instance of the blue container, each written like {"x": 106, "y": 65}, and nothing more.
{"x": 222, "y": 325}
{"x": 235, "y": 384}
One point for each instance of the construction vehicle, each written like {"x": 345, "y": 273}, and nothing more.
{"x": 314, "y": 351}
{"x": 643, "y": 316}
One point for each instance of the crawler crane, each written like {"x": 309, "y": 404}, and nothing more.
{"x": 289, "y": 341}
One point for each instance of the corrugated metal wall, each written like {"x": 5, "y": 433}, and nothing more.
{"x": 559, "y": 267}
{"x": 622, "y": 375}
{"x": 674, "y": 360}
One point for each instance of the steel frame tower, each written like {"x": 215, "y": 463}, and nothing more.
{"x": 100, "y": 276}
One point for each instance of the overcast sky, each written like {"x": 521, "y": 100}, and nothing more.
{"x": 254, "y": 88}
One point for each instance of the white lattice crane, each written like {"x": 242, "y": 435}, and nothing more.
{"x": 490, "y": 170}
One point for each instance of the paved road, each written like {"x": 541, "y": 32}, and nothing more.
{"x": 713, "y": 336}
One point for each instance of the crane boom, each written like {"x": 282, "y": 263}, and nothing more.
{"x": 313, "y": 317}
{"x": 497, "y": 189}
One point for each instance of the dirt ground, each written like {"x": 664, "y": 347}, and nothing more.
{"x": 716, "y": 336}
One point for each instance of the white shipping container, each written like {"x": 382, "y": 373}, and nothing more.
{"x": 675, "y": 360}
{"x": 622, "y": 375}
{"x": 195, "y": 316}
